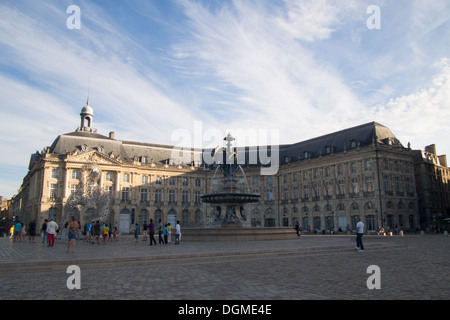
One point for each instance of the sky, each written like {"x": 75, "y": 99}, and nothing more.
{"x": 174, "y": 71}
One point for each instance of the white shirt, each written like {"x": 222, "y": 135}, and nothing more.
{"x": 360, "y": 227}
{"x": 177, "y": 229}
{"x": 51, "y": 227}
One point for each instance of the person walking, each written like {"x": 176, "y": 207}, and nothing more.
{"x": 105, "y": 233}
{"x": 17, "y": 228}
{"x": 359, "y": 234}
{"x": 31, "y": 231}
{"x": 169, "y": 233}
{"x": 165, "y": 233}
{"x": 73, "y": 234}
{"x": 297, "y": 228}
{"x": 145, "y": 231}
{"x": 115, "y": 234}
{"x": 136, "y": 232}
{"x": 44, "y": 231}
{"x": 177, "y": 233}
{"x": 88, "y": 231}
{"x": 96, "y": 232}
{"x": 51, "y": 231}
{"x": 160, "y": 234}
{"x": 151, "y": 230}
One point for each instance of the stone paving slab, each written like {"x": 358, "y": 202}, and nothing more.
{"x": 412, "y": 267}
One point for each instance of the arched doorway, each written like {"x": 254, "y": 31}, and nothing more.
{"x": 172, "y": 218}
{"x": 125, "y": 221}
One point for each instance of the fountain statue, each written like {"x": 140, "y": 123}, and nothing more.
{"x": 89, "y": 202}
{"x": 230, "y": 201}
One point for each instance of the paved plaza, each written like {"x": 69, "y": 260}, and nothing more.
{"x": 308, "y": 268}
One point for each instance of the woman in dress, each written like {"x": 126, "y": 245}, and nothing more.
{"x": 73, "y": 234}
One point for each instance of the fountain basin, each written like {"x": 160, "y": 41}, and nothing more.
{"x": 237, "y": 234}
{"x": 236, "y": 198}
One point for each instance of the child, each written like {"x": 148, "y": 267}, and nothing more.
{"x": 105, "y": 233}
{"x": 115, "y": 234}
{"x": 136, "y": 232}
{"x": 165, "y": 233}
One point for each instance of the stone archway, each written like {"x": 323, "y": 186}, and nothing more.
{"x": 125, "y": 221}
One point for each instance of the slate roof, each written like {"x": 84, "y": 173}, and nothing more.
{"x": 351, "y": 138}
{"x": 359, "y": 136}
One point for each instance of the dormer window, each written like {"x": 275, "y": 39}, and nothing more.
{"x": 328, "y": 150}
{"x": 144, "y": 159}
{"x": 306, "y": 155}
{"x": 354, "y": 144}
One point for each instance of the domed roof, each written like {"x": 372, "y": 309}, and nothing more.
{"x": 87, "y": 110}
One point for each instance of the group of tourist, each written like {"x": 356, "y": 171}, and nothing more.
{"x": 48, "y": 231}
{"x": 93, "y": 230}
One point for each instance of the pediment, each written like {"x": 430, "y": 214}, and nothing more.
{"x": 92, "y": 156}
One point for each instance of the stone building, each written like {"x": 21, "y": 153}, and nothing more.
{"x": 433, "y": 186}
{"x": 323, "y": 183}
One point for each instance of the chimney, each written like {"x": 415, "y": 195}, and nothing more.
{"x": 111, "y": 135}
{"x": 443, "y": 160}
{"x": 431, "y": 149}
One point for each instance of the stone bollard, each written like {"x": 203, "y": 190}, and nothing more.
{"x": 422, "y": 233}
{"x": 401, "y": 233}
{"x": 446, "y": 233}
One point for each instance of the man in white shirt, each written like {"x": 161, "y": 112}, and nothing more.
{"x": 51, "y": 230}
{"x": 359, "y": 234}
{"x": 177, "y": 233}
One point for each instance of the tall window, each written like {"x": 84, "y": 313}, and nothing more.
{"x": 305, "y": 192}
{"x": 295, "y": 193}
{"x": 185, "y": 218}
{"x": 158, "y": 197}
{"x": 354, "y": 186}
{"x": 397, "y": 185}
{"x": 368, "y": 165}
{"x": 53, "y": 191}
{"x": 144, "y": 195}
{"x": 269, "y": 195}
{"x": 185, "y": 196}
{"x": 75, "y": 174}
{"x": 197, "y": 197}
{"x": 172, "y": 196}
{"x": 126, "y": 177}
{"x": 55, "y": 173}
{"x": 125, "y": 194}
{"x": 368, "y": 185}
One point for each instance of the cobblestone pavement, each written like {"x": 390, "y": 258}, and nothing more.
{"x": 308, "y": 268}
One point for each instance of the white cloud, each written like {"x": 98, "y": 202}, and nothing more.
{"x": 275, "y": 80}
{"x": 422, "y": 117}
{"x": 304, "y": 67}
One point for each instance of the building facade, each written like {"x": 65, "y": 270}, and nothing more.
{"x": 324, "y": 183}
{"x": 433, "y": 186}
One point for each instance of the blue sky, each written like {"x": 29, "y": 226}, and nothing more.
{"x": 302, "y": 67}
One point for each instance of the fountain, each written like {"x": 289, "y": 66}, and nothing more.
{"x": 230, "y": 201}
{"x": 229, "y": 221}
{"x": 89, "y": 202}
